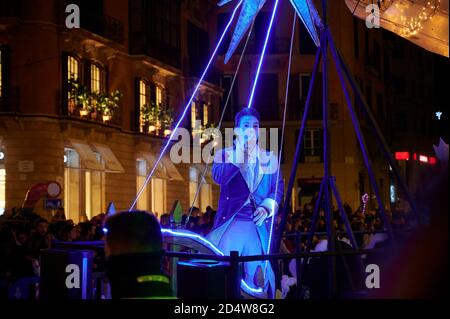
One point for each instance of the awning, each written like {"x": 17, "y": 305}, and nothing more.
{"x": 87, "y": 156}
{"x": 208, "y": 176}
{"x": 160, "y": 171}
{"x": 112, "y": 163}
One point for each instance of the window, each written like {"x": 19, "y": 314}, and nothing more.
{"x": 193, "y": 185}
{"x": 96, "y": 83}
{"x": 149, "y": 93}
{"x": 144, "y": 93}
{"x": 159, "y": 95}
{"x": 94, "y": 191}
{"x": 73, "y": 66}
{"x": 141, "y": 174}
{"x": 196, "y": 113}
{"x": 155, "y": 30}
{"x": 72, "y": 185}
{"x": 305, "y": 78}
{"x": 73, "y": 73}
{"x": 312, "y": 146}
{"x": 312, "y": 143}
{"x": 144, "y": 98}
{"x": 316, "y": 107}
{"x": 158, "y": 192}
{"x": 205, "y": 114}
{"x": 84, "y": 190}
{"x": 275, "y": 137}
{"x": 193, "y": 114}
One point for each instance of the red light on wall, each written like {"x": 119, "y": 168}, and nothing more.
{"x": 423, "y": 158}
{"x": 415, "y": 156}
{"x": 402, "y": 156}
{"x": 432, "y": 160}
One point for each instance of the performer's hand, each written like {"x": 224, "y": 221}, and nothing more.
{"x": 259, "y": 216}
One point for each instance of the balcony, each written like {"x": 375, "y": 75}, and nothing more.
{"x": 93, "y": 106}
{"x": 155, "y": 119}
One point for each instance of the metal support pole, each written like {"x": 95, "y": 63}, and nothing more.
{"x": 346, "y": 222}
{"x": 361, "y": 140}
{"x": 234, "y": 288}
{"x": 297, "y": 261}
{"x": 287, "y": 201}
{"x": 379, "y": 136}
{"x": 348, "y": 228}
{"x": 326, "y": 156}
{"x": 312, "y": 230}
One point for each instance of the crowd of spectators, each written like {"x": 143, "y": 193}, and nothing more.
{"x": 364, "y": 224}
{"x": 24, "y": 234}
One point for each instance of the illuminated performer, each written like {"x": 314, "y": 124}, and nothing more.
{"x": 251, "y": 189}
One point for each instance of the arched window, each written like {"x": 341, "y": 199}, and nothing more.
{"x": 73, "y": 74}
{"x": 144, "y": 94}
{"x": 73, "y": 68}
{"x": 97, "y": 78}
{"x": 149, "y": 93}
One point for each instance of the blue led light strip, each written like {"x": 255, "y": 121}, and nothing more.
{"x": 194, "y": 236}
{"x": 188, "y": 105}
{"x": 250, "y": 101}
{"x": 282, "y": 134}
{"x": 207, "y": 243}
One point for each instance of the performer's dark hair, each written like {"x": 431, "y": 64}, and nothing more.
{"x": 245, "y": 111}
{"x": 136, "y": 231}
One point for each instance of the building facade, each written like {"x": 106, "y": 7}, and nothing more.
{"x": 57, "y": 124}
{"x": 91, "y": 108}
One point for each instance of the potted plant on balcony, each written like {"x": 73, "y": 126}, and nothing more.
{"x": 166, "y": 120}
{"x": 207, "y": 133}
{"x": 79, "y": 97}
{"x": 154, "y": 117}
{"x": 145, "y": 116}
{"x": 114, "y": 100}
{"x": 107, "y": 104}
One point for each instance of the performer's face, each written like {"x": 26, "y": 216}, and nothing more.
{"x": 248, "y": 130}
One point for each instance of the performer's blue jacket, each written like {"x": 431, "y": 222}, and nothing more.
{"x": 234, "y": 191}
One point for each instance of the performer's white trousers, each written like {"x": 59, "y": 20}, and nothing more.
{"x": 243, "y": 237}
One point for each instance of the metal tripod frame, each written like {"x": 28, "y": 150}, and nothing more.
{"x": 328, "y": 186}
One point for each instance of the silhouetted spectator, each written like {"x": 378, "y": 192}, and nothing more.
{"x": 40, "y": 239}
{"x": 134, "y": 253}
